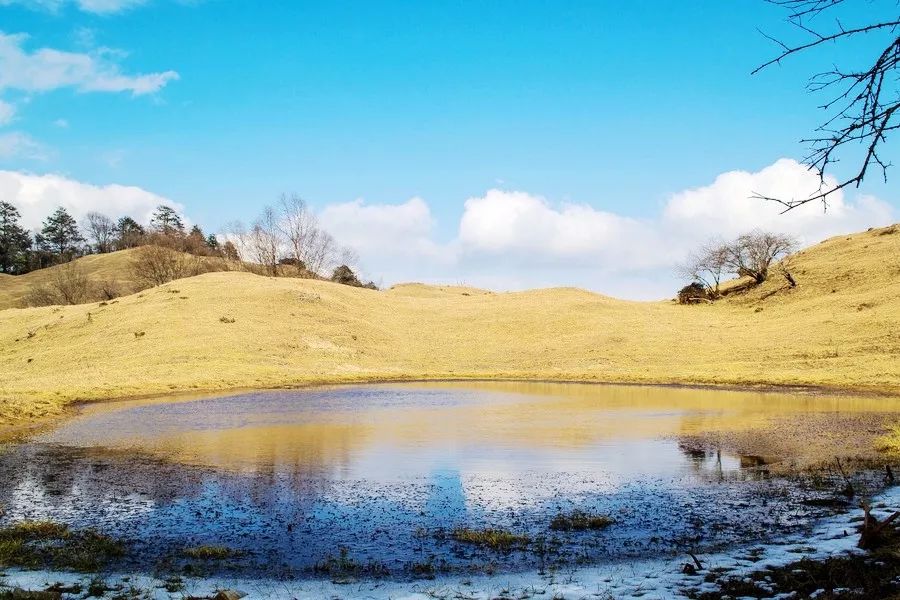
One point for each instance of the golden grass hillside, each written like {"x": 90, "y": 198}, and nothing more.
{"x": 839, "y": 328}
{"x": 114, "y": 267}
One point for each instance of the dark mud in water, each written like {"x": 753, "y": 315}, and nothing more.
{"x": 373, "y": 480}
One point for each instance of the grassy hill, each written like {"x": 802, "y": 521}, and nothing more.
{"x": 112, "y": 267}
{"x": 840, "y": 328}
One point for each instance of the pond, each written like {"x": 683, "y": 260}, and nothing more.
{"x": 379, "y": 479}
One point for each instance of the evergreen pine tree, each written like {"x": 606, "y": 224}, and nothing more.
{"x": 166, "y": 221}
{"x": 60, "y": 235}
{"x": 15, "y": 241}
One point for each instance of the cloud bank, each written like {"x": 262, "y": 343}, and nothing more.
{"x": 514, "y": 240}
{"x": 36, "y": 196}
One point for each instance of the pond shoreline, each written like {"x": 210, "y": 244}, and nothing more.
{"x": 738, "y": 499}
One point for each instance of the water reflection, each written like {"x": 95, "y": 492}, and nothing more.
{"x": 386, "y": 431}
{"x": 291, "y": 477}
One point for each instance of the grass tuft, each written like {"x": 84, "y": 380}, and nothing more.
{"x": 209, "y": 552}
{"x": 890, "y": 442}
{"x": 494, "y": 539}
{"x": 34, "y": 544}
{"x": 343, "y": 567}
{"x": 580, "y": 521}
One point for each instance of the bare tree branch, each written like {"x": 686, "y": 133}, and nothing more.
{"x": 863, "y": 108}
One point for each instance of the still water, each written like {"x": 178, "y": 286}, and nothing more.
{"x": 382, "y": 473}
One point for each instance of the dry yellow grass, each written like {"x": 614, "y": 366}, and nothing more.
{"x": 840, "y": 328}
{"x": 114, "y": 267}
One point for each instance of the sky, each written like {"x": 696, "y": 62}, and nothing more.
{"x": 506, "y": 144}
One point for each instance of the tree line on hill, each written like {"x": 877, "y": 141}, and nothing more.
{"x": 61, "y": 238}
{"x": 284, "y": 241}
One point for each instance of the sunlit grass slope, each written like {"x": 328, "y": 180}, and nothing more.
{"x": 840, "y": 327}
{"x": 113, "y": 267}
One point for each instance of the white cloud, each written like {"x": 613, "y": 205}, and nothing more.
{"x": 36, "y": 196}
{"x": 61, "y": 123}
{"x": 48, "y": 69}
{"x": 515, "y": 240}
{"x": 383, "y": 229}
{"x": 527, "y": 227}
{"x": 519, "y": 224}
{"x": 16, "y": 144}
{"x": 726, "y": 206}
{"x": 101, "y": 7}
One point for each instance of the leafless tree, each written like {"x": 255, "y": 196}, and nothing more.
{"x": 706, "y": 266}
{"x": 860, "y": 104}
{"x": 101, "y": 232}
{"x": 265, "y": 241}
{"x": 289, "y": 234}
{"x": 751, "y": 254}
{"x": 308, "y": 244}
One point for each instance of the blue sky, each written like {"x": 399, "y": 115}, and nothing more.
{"x": 618, "y": 106}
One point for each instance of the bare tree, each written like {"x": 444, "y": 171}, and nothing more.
{"x": 706, "y": 266}
{"x": 297, "y": 224}
{"x": 751, "y": 254}
{"x": 321, "y": 252}
{"x": 308, "y": 244}
{"x": 265, "y": 240}
{"x": 861, "y": 104}
{"x": 289, "y": 234}
{"x": 101, "y": 232}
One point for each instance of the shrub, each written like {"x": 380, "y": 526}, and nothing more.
{"x": 345, "y": 276}
{"x": 156, "y": 265}
{"x": 107, "y": 289}
{"x": 68, "y": 284}
{"x": 693, "y": 293}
